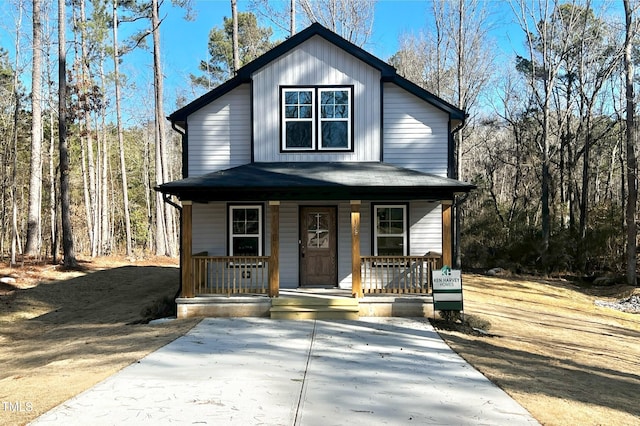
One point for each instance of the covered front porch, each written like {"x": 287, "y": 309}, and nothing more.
{"x": 229, "y": 286}
{"x": 298, "y": 212}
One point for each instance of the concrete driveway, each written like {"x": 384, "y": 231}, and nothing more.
{"x": 254, "y": 371}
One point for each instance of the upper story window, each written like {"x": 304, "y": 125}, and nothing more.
{"x": 317, "y": 119}
{"x": 299, "y": 124}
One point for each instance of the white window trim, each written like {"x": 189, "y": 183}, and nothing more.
{"x": 260, "y": 226}
{"x": 347, "y": 120}
{"x": 404, "y": 235}
{"x": 285, "y": 120}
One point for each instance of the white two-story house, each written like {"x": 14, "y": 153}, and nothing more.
{"x": 316, "y": 166}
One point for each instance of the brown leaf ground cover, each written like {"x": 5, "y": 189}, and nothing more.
{"x": 563, "y": 358}
{"x": 63, "y": 332}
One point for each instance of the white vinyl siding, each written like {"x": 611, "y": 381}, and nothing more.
{"x": 289, "y": 253}
{"x": 426, "y": 228}
{"x": 209, "y": 229}
{"x": 317, "y": 62}
{"x": 415, "y": 132}
{"x": 211, "y": 234}
{"x": 220, "y": 133}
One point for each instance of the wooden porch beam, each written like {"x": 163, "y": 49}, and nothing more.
{"x": 356, "y": 272}
{"x": 186, "y": 236}
{"x": 274, "y": 257}
{"x": 447, "y": 233}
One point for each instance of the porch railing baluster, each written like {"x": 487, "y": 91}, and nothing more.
{"x": 398, "y": 274}
{"x": 230, "y": 274}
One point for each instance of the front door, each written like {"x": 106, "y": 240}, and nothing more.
{"x": 318, "y": 264}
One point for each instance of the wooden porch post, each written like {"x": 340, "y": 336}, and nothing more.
{"x": 274, "y": 258}
{"x": 356, "y": 272}
{"x": 447, "y": 233}
{"x": 186, "y": 236}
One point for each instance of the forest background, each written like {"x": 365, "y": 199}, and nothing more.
{"x": 550, "y": 139}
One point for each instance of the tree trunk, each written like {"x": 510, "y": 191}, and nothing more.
{"x": 106, "y": 236}
{"x": 52, "y": 186}
{"x": 165, "y": 243}
{"x": 67, "y": 233}
{"x": 632, "y": 165}
{"x": 292, "y": 22}
{"x": 35, "y": 183}
{"x": 94, "y": 223}
{"x": 14, "y": 136}
{"x": 234, "y": 37}
{"x": 123, "y": 168}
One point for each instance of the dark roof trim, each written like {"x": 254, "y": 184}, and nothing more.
{"x": 244, "y": 75}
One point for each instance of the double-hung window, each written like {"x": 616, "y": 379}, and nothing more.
{"x": 317, "y": 119}
{"x": 335, "y": 120}
{"x": 299, "y": 124}
{"x": 390, "y": 230}
{"x": 245, "y": 230}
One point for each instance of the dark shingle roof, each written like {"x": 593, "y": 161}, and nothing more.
{"x": 315, "y": 181}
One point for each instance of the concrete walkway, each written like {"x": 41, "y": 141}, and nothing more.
{"x": 250, "y": 371}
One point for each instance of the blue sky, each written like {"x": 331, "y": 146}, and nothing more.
{"x": 184, "y": 43}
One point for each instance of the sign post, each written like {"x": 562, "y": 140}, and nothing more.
{"x": 447, "y": 290}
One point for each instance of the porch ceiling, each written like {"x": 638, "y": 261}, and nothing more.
{"x": 315, "y": 181}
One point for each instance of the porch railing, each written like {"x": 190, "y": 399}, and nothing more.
{"x": 250, "y": 274}
{"x": 398, "y": 274}
{"x": 230, "y": 274}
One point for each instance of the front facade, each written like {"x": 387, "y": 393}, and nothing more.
{"x": 316, "y": 166}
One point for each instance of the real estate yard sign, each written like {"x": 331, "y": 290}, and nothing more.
{"x": 447, "y": 290}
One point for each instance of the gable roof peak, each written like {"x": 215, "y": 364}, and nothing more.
{"x": 316, "y": 29}
{"x": 245, "y": 74}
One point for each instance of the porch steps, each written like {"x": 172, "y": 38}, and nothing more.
{"x": 300, "y": 308}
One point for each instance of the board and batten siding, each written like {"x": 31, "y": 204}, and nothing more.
{"x": 220, "y": 133}
{"x": 415, "y": 133}
{"x": 316, "y": 62}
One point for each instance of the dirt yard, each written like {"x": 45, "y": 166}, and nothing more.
{"x": 563, "y": 358}
{"x": 63, "y": 332}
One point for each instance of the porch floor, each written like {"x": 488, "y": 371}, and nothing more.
{"x": 260, "y": 305}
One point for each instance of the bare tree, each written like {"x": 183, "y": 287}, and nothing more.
{"x": 351, "y": 19}
{"x": 35, "y": 184}
{"x": 165, "y": 232}
{"x": 632, "y": 165}
{"x": 123, "y": 168}
{"x": 547, "y": 45}
{"x": 67, "y": 232}
{"x": 14, "y": 137}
